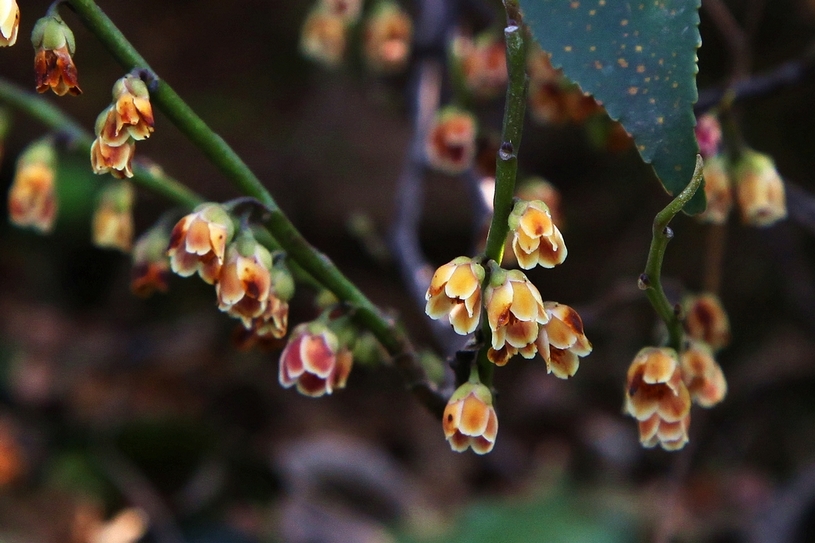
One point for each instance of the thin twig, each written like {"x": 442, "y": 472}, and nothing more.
{"x": 734, "y": 37}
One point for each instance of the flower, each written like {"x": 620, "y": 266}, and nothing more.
{"x": 113, "y": 218}
{"x": 314, "y": 361}
{"x": 535, "y": 238}
{"x": 455, "y": 291}
{"x": 709, "y": 135}
{"x": 562, "y": 340}
{"x": 111, "y": 159}
{"x": 515, "y": 311}
{"x": 760, "y": 190}
{"x": 483, "y": 64}
{"x": 9, "y": 22}
{"x": 702, "y": 375}
{"x": 706, "y": 320}
{"x": 658, "y": 398}
{"x": 54, "y": 68}
{"x": 450, "y": 144}
{"x": 198, "y": 242}
{"x": 718, "y": 191}
{"x": 245, "y": 281}
{"x": 469, "y": 419}
{"x": 151, "y": 267}
{"x": 386, "y": 41}
{"x": 32, "y": 199}
{"x": 323, "y": 37}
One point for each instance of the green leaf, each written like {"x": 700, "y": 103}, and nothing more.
{"x": 638, "y": 57}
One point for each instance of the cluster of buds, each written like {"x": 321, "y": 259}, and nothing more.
{"x": 54, "y": 66}
{"x": 553, "y": 99}
{"x": 469, "y": 419}
{"x": 128, "y": 119}
{"x": 32, "y": 197}
{"x": 482, "y": 64}
{"x": 9, "y": 22}
{"x": 325, "y": 30}
{"x": 387, "y": 38}
{"x": 113, "y": 217}
{"x": 450, "y": 145}
{"x": 316, "y": 360}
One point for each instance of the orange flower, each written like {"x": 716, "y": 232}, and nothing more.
{"x": 450, "y": 144}
{"x": 9, "y": 22}
{"x": 469, "y": 419}
{"x": 113, "y": 218}
{"x": 245, "y": 281}
{"x": 718, "y": 191}
{"x": 702, "y": 375}
{"x": 132, "y": 111}
{"x": 198, "y": 242}
{"x": 706, "y": 320}
{"x": 535, "y": 238}
{"x": 562, "y": 340}
{"x": 115, "y": 160}
{"x": 53, "y": 66}
{"x": 455, "y": 291}
{"x": 658, "y": 398}
{"x": 151, "y": 267}
{"x": 760, "y": 190}
{"x": 32, "y": 199}
{"x": 483, "y": 64}
{"x": 388, "y": 32}
{"x": 323, "y": 37}
{"x": 515, "y": 312}
{"x": 314, "y": 361}
{"x": 538, "y": 188}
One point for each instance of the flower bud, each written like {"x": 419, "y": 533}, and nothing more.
{"x": 245, "y": 281}
{"x": 469, "y": 419}
{"x": 132, "y": 111}
{"x": 718, "y": 191}
{"x": 760, "y": 190}
{"x": 314, "y": 361}
{"x": 535, "y": 238}
{"x": 450, "y": 145}
{"x": 323, "y": 37}
{"x": 9, "y": 22}
{"x": 54, "y": 66}
{"x": 562, "y": 340}
{"x": 198, "y": 242}
{"x": 32, "y": 198}
{"x": 113, "y": 218}
{"x": 658, "y": 398}
{"x": 706, "y": 320}
{"x": 455, "y": 291}
{"x": 386, "y": 41}
{"x": 702, "y": 375}
{"x": 709, "y": 135}
{"x": 515, "y": 311}
{"x": 151, "y": 267}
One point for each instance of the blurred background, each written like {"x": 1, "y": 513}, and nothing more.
{"x": 123, "y": 418}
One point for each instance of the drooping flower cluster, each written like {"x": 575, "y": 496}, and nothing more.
{"x": 469, "y": 420}
{"x": 54, "y": 66}
{"x": 450, "y": 144}
{"x": 113, "y": 217}
{"x": 127, "y": 120}
{"x": 9, "y": 22}
{"x": 32, "y": 197}
{"x": 198, "y": 242}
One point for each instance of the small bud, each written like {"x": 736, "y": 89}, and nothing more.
{"x": 54, "y": 66}
{"x": 702, "y": 375}
{"x": 515, "y": 311}
{"x": 314, "y": 361}
{"x": 9, "y": 22}
{"x": 387, "y": 37}
{"x": 32, "y": 198}
{"x": 198, "y": 242}
{"x": 535, "y": 238}
{"x": 151, "y": 267}
{"x": 455, "y": 291}
{"x": 709, "y": 135}
{"x": 469, "y": 420}
{"x": 113, "y": 218}
{"x": 718, "y": 191}
{"x": 760, "y": 190}
{"x": 562, "y": 340}
{"x": 658, "y": 398}
{"x": 706, "y": 320}
{"x": 323, "y": 37}
{"x": 450, "y": 145}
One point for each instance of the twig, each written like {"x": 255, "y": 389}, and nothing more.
{"x": 734, "y": 37}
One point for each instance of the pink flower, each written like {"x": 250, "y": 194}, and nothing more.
{"x": 314, "y": 361}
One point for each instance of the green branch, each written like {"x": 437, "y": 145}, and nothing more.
{"x": 651, "y": 279}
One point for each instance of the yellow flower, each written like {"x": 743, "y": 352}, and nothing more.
{"x": 113, "y": 218}
{"x": 9, "y": 22}
{"x": 450, "y": 144}
{"x": 702, "y": 375}
{"x": 116, "y": 160}
{"x": 760, "y": 190}
{"x": 515, "y": 312}
{"x": 469, "y": 420}
{"x": 535, "y": 238}
{"x": 562, "y": 340}
{"x": 198, "y": 242}
{"x": 53, "y": 63}
{"x": 658, "y": 398}
{"x": 455, "y": 291}
{"x": 32, "y": 199}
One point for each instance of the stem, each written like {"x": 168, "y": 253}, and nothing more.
{"x": 651, "y": 279}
